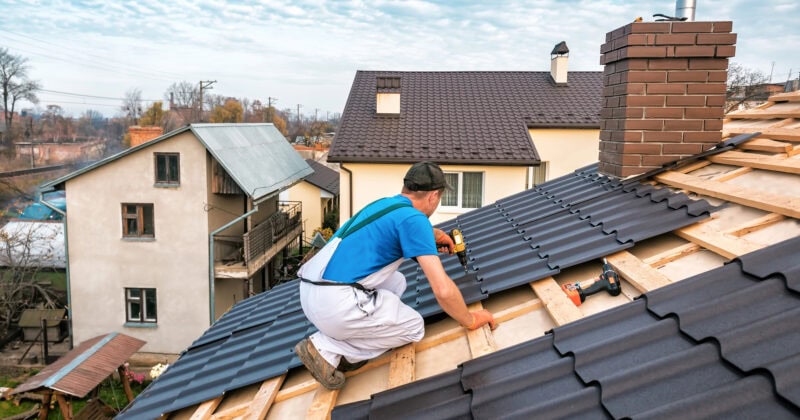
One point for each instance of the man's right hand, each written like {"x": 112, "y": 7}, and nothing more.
{"x": 481, "y": 318}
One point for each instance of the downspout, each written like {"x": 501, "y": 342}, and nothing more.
{"x": 66, "y": 262}
{"x": 211, "y": 261}
{"x": 350, "y": 192}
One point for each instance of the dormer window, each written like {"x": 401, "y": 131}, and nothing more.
{"x": 387, "y": 100}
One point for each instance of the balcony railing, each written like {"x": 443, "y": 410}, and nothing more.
{"x": 263, "y": 242}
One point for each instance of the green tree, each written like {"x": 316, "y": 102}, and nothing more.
{"x": 153, "y": 115}
{"x": 229, "y": 112}
{"x": 15, "y": 87}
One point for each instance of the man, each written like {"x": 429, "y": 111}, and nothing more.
{"x": 361, "y": 316}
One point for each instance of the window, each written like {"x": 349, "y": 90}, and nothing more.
{"x": 140, "y": 305}
{"x": 168, "y": 170}
{"x": 467, "y": 190}
{"x": 137, "y": 221}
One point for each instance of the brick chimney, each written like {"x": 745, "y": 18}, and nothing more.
{"x": 141, "y": 135}
{"x": 663, "y": 93}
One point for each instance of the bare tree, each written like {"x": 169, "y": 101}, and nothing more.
{"x": 184, "y": 99}
{"x": 745, "y": 85}
{"x": 15, "y": 87}
{"x": 25, "y": 249}
{"x": 132, "y": 105}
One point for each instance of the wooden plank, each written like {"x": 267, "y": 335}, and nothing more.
{"x": 766, "y": 145}
{"x": 673, "y": 254}
{"x": 231, "y": 413}
{"x": 264, "y": 398}
{"x": 753, "y": 160}
{"x": 206, "y": 409}
{"x": 755, "y": 224}
{"x": 481, "y": 341}
{"x": 785, "y": 97}
{"x": 639, "y": 274}
{"x": 556, "y": 302}
{"x": 402, "y": 368}
{"x": 775, "y": 203}
{"x": 322, "y": 405}
{"x": 732, "y": 174}
{"x": 517, "y": 310}
{"x": 772, "y": 133}
{"x": 311, "y": 384}
{"x": 728, "y": 246}
{"x": 693, "y": 166}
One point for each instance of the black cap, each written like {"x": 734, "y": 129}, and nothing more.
{"x": 425, "y": 176}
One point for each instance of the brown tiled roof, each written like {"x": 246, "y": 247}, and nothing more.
{"x": 463, "y": 117}
{"x": 323, "y": 177}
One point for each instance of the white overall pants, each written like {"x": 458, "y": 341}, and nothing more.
{"x": 359, "y": 325}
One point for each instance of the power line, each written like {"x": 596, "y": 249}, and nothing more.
{"x": 104, "y": 60}
{"x": 91, "y": 96}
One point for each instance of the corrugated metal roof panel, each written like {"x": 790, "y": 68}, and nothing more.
{"x": 701, "y": 347}
{"x": 257, "y": 156}
{"x": 86, "y": 366}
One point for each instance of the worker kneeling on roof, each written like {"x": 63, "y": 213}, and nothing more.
{"x": 350, "y": 290}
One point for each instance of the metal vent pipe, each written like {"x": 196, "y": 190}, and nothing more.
{"x": 685, "y": 8}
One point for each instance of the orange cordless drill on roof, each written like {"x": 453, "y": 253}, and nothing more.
{"x": 608, "y": 280}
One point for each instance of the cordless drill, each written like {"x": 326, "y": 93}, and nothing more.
{"x": 460, "y": 248}
{"x": 608, "y": 280}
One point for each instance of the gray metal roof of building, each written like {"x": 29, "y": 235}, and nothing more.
{"x": 528, "y": 236}
{"x": 722, "y": 344}
{"x": 462, "y": 117}
{"x": 256, "y": 156}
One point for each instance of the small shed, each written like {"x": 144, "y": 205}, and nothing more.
{"x": 82, "y": 370}
{"x": 31, "y": 323}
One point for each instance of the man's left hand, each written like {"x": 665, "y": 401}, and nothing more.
{"x": 444, "y": 243}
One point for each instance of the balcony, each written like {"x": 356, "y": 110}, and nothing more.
{"x": 240, "y": 257}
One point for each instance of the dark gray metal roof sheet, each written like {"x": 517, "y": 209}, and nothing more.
{"x": 722, "y": 344}
{"x": 463, "y": 117}
{"x": 323, "y": 177}
{"x": 509, "y": 244}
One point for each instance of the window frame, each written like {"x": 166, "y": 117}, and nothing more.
{"x": 139, "y": 295}
{"x": 459, "y": 190}
{"x": 140, "y": 221}
{"x": 170, "y": 181}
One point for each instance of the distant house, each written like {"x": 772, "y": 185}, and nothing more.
{"x": 164, "y": 237}
{"x": 319, "y": 193}
{"x": 51, "y": 153}
{"x": 494, "y": 133}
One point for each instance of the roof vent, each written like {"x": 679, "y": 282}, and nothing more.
{"x": 387, "y": 99}
{"x": 558, "y": 63}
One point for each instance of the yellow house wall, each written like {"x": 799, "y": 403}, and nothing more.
{"x": 102, "y": 263}
{"x": 566, "y": 150}
{"x": 373, "y": 181}
{"x": 309, "y": 195}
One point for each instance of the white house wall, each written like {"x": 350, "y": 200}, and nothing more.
{"x": 102, "y": 264}
{"x": 373, "y": 181}
{"x": 566, "y": 150}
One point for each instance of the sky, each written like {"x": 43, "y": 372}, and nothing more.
{"x": 88, "y": 54}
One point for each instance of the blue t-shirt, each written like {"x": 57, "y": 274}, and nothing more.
{"x": 405, "y": 232}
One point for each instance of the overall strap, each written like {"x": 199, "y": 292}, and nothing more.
{"x": 347, "y": 230}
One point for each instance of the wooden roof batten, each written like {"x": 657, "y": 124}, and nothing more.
{"x": 641, "y": 273}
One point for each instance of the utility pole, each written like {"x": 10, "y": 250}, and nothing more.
{"x": 270, "y": 100}
{"x": 204, "y": 84}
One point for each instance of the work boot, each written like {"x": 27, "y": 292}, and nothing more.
{"x": 320, "y": 369}
{"x": 345, "y": 366}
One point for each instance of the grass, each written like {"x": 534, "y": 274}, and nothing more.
{"x": 111, "y": 393}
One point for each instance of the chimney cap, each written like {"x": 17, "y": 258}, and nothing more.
{"x": 560, "y": 48}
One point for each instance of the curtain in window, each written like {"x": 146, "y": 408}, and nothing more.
{"x": 473, "y": 190}
{"x": 450, "y": 198}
